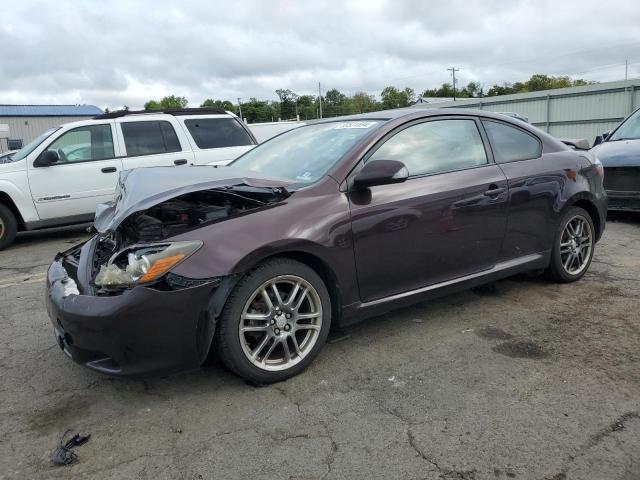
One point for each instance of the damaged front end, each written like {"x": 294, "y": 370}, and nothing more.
{"x": 133, "y": 247}
{"x": 114, "y": 302}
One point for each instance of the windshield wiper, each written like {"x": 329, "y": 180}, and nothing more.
{"x": 623, "y": 138}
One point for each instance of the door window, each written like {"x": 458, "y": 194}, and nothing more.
{"x": 149, "y": 138}
{"x": 435, "y": 147}
{"x": 511, "y": 144}
{"x": 83, "y": 144}
{"x": 218, "y": 132}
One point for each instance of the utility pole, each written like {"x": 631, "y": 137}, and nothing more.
{"x": 453, "y": 71}
{"x": 320, "y": 98}
{"x": 240, "y": 108}
{"x": 626, "y": 69}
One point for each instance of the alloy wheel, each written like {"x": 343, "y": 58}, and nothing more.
{"x": 576, "y": 243}
{"x": 280, "y": 323}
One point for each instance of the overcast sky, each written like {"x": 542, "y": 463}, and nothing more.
{"x": 111, "y": 53}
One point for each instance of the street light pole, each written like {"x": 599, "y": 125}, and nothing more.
{"x": 240, "y": 108}
{"x": 453, "y": 71}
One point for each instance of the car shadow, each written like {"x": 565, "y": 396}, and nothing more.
{"x": 626, "y": 217}
{"x": 35, "y": 237}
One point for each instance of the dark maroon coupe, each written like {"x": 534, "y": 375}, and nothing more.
{"x": 325, "y": 224}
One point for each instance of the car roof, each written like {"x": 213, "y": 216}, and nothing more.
{"x": 169, "y": 111}
{"x": 419, "y": 113}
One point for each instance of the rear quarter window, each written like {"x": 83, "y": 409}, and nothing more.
{"x": 217, "y": 132}
{"x": 149, "y": 138}
{"x": 511, "y": 144}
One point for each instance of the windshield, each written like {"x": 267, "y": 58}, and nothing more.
{"x": 30, "y": 147}
{"x": 630, "y": 128}
{"x": 305, "y": 154}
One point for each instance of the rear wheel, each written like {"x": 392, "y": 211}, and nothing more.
{"x": 8, "y": 227}
{"x": 573, "y": 246}
{"x": 274, "y": 322}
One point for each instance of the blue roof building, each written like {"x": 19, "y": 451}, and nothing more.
{"x": 26, "y": 122}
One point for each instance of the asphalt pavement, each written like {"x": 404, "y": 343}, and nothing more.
{"x": 527, "y": 380}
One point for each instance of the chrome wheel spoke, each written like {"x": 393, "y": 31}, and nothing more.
{"x": 260, "y": 328}
{"x": 301, "y": 299}
{"x": 256, "y": 316}
{"x": 307, "y": 326}
{"x": 267, "y": 299}
{"x": 276, "y": 294}
{"x": 287, "y": 352}
{"x": 296, "y": 346}
{"x": 260, "y": 347}
{"x": 270, "y": 351}
{"x": 292, "y": 295}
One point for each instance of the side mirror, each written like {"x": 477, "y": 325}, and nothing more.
{"x": 381, "y": 172}
{"x": 46, "y": 159}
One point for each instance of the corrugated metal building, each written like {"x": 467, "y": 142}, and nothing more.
{"x": 26, "y": 122}
{"x": 576, "y": 112}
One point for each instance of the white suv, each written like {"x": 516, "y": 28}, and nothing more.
{"x": 60, "y": 177}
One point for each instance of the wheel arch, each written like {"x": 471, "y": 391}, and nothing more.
{"x": 588, "y": 204}
{"x": 305, "y": 253}
{"x": 6, "y": 200}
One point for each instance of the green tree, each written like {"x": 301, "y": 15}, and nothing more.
{"x": 287, "y": 103}
{"x": 362, "y": 102}
{"x": 168, "y": 102}
{"x": 394, "y": 98}
{"x": 222, "y": 104}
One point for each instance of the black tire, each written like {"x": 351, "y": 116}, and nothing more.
{"x": 556, "y": 270}
{"x": 227, "y": 340}
{"x": 8, "y": 227}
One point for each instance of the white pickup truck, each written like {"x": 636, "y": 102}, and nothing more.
{"x": 60, "y": 177}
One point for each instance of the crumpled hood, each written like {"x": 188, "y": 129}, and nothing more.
{"x": 142, "y": 188}
{"x": 620, "y": 153}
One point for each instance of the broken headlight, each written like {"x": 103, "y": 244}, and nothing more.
{"x": 140, "y": 264}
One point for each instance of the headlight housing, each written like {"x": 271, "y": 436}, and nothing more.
{"x": 140, "y": 264}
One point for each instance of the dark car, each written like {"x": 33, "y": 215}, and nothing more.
{"x": 619, "y": 152}
{"x": 320, "y": 226}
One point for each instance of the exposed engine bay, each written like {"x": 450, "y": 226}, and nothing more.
{"x": 168, "y": 219}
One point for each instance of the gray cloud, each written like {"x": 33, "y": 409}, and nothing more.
{"x": 116, "y": 53}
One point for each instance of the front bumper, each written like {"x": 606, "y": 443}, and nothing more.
{"x": 140, "y": 331}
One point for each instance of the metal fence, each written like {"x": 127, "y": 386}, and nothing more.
{"x": 576, "y": 112}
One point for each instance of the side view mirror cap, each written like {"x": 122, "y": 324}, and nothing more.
{"x": 381, "y": 172}
{"x": 47, "y": 158}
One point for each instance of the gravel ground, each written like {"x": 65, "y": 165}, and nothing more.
{"x": 527, "y": 380}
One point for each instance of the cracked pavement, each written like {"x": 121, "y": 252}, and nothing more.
{"x": 527, "y": 380}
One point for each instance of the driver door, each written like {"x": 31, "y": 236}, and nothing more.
{"x": 85, "y": 175}
{"x": 447, "y": 220}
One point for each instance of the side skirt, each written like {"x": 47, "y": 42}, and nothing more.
{"x": 59, "y": 222}
{"x": 357, "y": 312}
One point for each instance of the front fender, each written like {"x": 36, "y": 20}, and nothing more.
{"x": 18, "y": 192}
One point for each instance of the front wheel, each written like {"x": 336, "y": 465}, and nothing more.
{"x": 275, "y": 321}
{"x": 8, "y": 227}
{"x": 573, "y": 246}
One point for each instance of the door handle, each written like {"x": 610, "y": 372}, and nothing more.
{"x": 494, "y": 190}
{"x": 181, "y": 161}
{"x": 109, "y": 169}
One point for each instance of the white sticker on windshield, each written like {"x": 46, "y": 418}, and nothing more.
{"x": 354, "y": 125}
